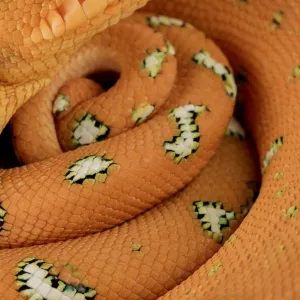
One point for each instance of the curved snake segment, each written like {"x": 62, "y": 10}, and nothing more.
{"x": 88, "y": 130}
{"x": 184, "y": 246}
{"x": 128, "y": 250}
{"x": 142, "y": 113}
{"x": 274, "y": 148}
{"x": 35, "y": 280}
{"x": 61, "y": 104}
{"x": 216, "y": 221}
{"x": 235, "y": 129}
{"x": 204, "y": 58}
{"x": 94, "y": 172}
{"x": 88, "y": 168}
{"x": 262, "y": 244}
{"x": 160, "y": 20}
{"x": 130, "y": 91}
{"x": 71, "y": 94}
{"x": 187, "y": 142}
{"x": 3, "y": 212}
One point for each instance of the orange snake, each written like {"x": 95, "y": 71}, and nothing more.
{"x": 149, "y": 137}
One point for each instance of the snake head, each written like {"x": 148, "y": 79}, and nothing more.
{"x": 38, "y": 37}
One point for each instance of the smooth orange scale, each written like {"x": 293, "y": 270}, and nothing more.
{"x": 72, "y": 13}
{"x": 26, "y": 31}
{"x": 57, "y": 2}
{"x": 98, "y": 21}
{"x": 12, "y": 6}
{"x": 35, "y": 9}
{"x": 28, "y": 41}
{"x": 36, "y": 35}
{"x": 46, "y": 31}
{"x": 17, "y": 37}
{"x": 20, "y": 4}
{"x": 8, "y": 15}
{"x": 111, "y": 2}
{"x": 20, "y": 25}
{"x": 35, "y": 20}
{"x": 44, "y": 12}
{"x": 27, "y": 18}
{"x": 92, "y": 8}
{"x": 56, "y": 23}
{"x": 11, "y": 26}
{"x": 27, "y": 9}
{"x": 113, "y": 9}
{"x": 18, "y": 15}
{"x": 114, "y": 21}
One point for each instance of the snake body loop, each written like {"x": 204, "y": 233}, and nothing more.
{"x": 151, "y": 188}
{"x": 91, "y": 188}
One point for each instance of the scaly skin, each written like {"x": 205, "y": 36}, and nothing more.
{"x": 38, "y": 37}
{"x": 262, "y": 260}
{"x": 149, "y": 255}
{"x": 82, "y": 205}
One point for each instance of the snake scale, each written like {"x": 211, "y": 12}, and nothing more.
{"x": 135, "y": 180}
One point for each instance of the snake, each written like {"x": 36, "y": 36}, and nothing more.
{"x": 178, "y": 178}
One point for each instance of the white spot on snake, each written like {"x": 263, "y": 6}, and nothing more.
{"x": 215, "y": 220}
{"x": 88, "y": 130}
{"x": 205, "y": 59}
{"x": 277, "y": 18}
{"x": 161, "y": 20}
{"x": 291, "y": 211}
{"x": 296, "y": 72}
{"x": 60, "y": 104}
{"x": 142, "y": 113}
{"x": 90, "y": 167}
{"x": 2, "y": 215}
{"x": 169, "y": 49}
{"x": 152, "y": 64}
{"x": 187, "y": 142}
{"x": 34, "y": 280}
{"x": 235, "y": 128}
{"x": 274, "y": 148}
{"x": 212, "y": 215}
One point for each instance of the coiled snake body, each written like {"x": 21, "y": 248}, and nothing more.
{"x": 134, "y": 192}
